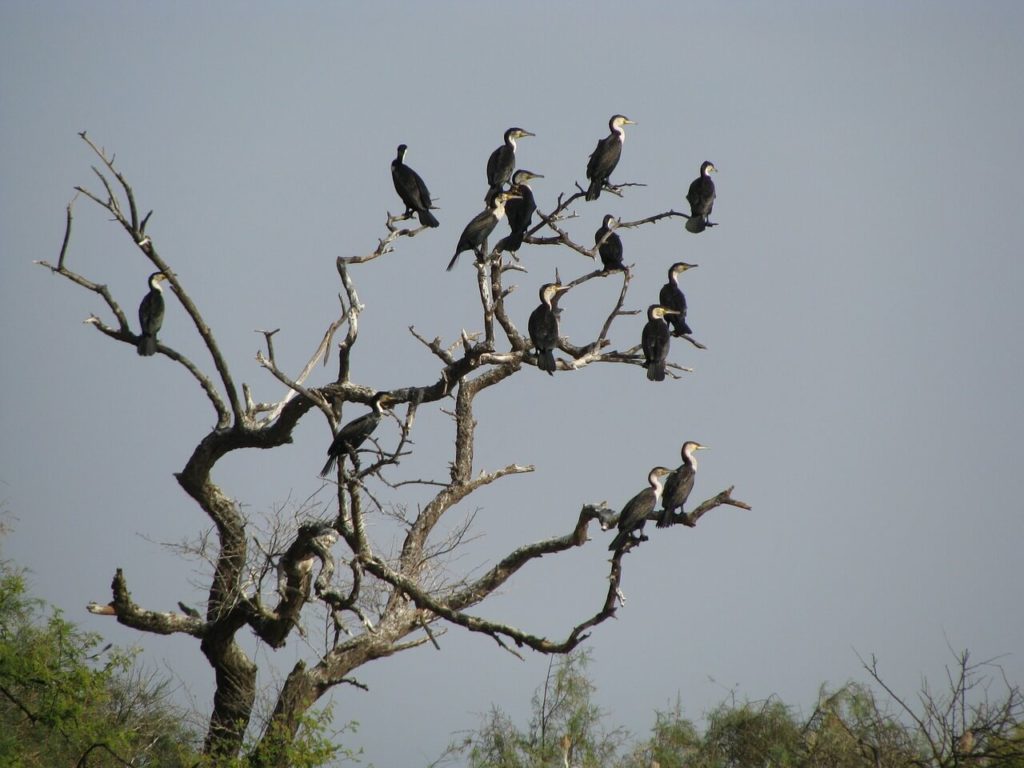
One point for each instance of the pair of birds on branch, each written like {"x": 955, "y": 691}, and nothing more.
{"x": 665, "y": 319}
{"x": 670, "y": 488}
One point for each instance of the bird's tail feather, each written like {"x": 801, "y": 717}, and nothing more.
{"x": 147, "y": 345}
{"x": 428, "y": 219}
{"x": 546, "y": 361}
{"x": 331, "y": 461}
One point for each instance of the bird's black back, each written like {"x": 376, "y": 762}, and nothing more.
{"x": 610, "y": 250}
{"x": 655, "y": 343}
{"x": 500, "y": 165}
{"x": 701, "y": 196}
{"x": 151, "y": 318}
{"x": 672, "y": 297}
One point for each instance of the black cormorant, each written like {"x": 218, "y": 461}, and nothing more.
{"x": 151, "y": 314}
{"x": 679, "y": 484}
{"x": 606, "y": 156}
{"x": 672, "y": 298}
{"x": 410, "y": 187}
{"x": 503, "y": 160}
{"x": 353, "y": 434}
{"x": 474, "y": 236}
{"x": 543, "y": 326}
{"x": 634, "y": 514}
{"x": 701, "y": 197}
{"x": 611, "y": 249}
{"x": 519, "y": 210}
{"x": 655, "y": 341}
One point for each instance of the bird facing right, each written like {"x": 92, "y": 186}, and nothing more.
{"x": 678, "y": 487}
{"x": 672, "y": 297}
{"x": 474, "y": 236}
{"x": 634, "y": 515}
{"x": 606, "y": 155}
{"x": 151, "y": 315}
{"x": 354, "y": 434}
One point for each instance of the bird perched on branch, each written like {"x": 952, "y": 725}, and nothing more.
{"x": 610, "y": 247}
{"x": 410, "y": 187}
{"x": 634, "y": 514}
{"x": 678, "y": 486}
{"x": 543, "y": 326}
{"x": 672, "y": 297}
{"x": 519, "y": 210}
{"x": 655, "y": 341}
{"x": 151, "y": 315}
{"x": 354, "y": 434}
{"x": 701, "y": 197}
{"x": 606, "y": 156}
{"x": 502, "y": 161}
{"x": 475, "y": 235}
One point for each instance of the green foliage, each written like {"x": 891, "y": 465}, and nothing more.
{"x": 565, "y": 724}
{"x": 66, "y": 701}
{"x": 850, "y": 727}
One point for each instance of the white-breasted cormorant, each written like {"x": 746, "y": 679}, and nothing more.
{"x": 474, "y": 236}
{"x": 354, "y": 434}
{"x": 672, "y": 297}
{"x": 410, "y": 187}
{"x": 502, "y": 161}
{"x": 701, "y": 197}
{"x": 151, "y": 315}
{"x": 519, "y": 210}
{"x": 634, "y": 514}
{"x": 678, "y": 486}
{"x": 655, "y": 341}
{"x": 543, "y": 326}
{"x": 611, "y": 249}
{"x": 606, "y": 156}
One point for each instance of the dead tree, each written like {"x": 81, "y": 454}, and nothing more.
{"x": 378, "y": 604}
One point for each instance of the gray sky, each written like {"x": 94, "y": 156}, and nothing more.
{"x": 859, "y": 301}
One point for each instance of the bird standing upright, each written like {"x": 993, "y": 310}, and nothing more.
{"x": 519, "y": 210}
{"x": 411, "y": 188}
{"x": 672, "y": 297}
{"x": 609, "y": 245}
{"x": 701, "y": 197}
{"x": 354, "y": 434}
{"x": 474, "y": 236}
{"x": 502, "y": 161}
{"x": 151, "y": 315}
{"x": 634, "y": 515}
{"x": 655, "y": 341}
{"x": 543, "y": 326}
{"x": 606, "y": 155}
{"x": 678, "y": 486}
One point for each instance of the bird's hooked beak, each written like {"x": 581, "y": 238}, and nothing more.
{"x": 524, "y": 132}
{"x": 627, "y": 121}
{"x": 665, "y": 311}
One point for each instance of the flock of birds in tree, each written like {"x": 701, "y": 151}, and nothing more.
{"x": 667, "y": 318}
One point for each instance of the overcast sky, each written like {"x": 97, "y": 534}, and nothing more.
{"x": 860, "y": 302}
